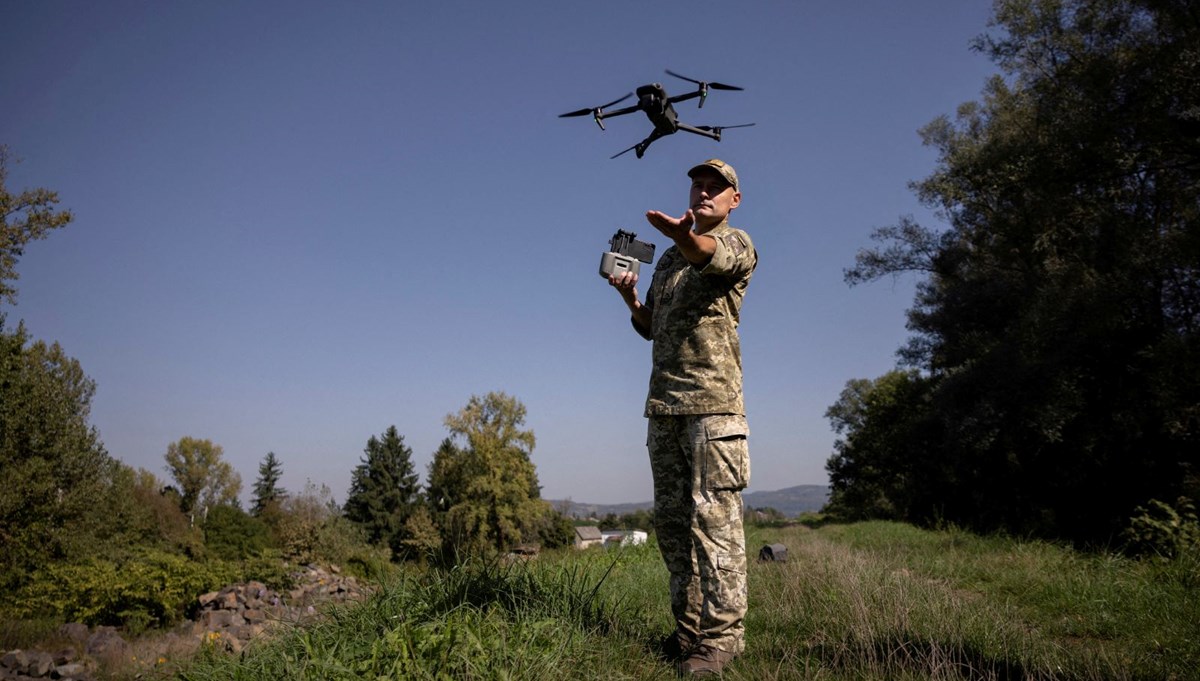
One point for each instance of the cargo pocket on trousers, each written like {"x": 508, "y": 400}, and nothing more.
{"x": 726, "y": 453}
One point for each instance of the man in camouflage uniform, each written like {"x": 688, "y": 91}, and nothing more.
{"x": 697, "y": 423}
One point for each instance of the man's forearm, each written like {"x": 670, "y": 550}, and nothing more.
{"x": 697, "y": 249}
{"x": 640, "y": 313}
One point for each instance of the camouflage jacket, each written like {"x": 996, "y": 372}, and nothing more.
{"x": 697, "y": 356}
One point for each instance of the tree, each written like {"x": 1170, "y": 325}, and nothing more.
{"x": 267, "y": 492}
{"x": 882, "y": 458}
{"x": 312, "y": 529}
{"x": 204, "y": 478}
{"x": 384, "y": 490}
{"x": 1058, "y": 322}
{"x": 232, "y": 534}
{"x": 54, "y": 465}
{"x": 486, "y": 492}
{"x": 24, "y": 217}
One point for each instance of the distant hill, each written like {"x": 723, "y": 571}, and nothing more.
{"x": 790, "y": 501}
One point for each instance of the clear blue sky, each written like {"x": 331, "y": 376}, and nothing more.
{"x": 299, "y": 223}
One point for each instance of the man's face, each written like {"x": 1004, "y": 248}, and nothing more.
{"x": 712, "y": 198}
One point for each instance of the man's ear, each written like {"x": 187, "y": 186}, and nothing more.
{"x": 737, "y": 200}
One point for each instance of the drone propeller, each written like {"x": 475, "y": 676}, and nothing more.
{"x": 704, "y": 85}
{"x": 597, "y": 112}
{"x": 625, "y": 151}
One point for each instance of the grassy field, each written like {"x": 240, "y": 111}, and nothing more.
{"x": 862, "y": 601}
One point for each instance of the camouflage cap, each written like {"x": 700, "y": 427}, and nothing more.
{"x": 722, "y": 168}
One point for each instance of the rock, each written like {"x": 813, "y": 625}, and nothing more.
{"x": 64, "y": 656}
{"x": 75, "y": 631}
{"x": 17, "y": 660}
{"x": 216, "y": 619}
{"x": 69, "y": 671}
{"x": 40, "y": 665}
{"x": 228, "y": 600}
{"x": 103, "y": 640}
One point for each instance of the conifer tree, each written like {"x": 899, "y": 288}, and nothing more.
{"x": 267, "y": 492}
{"x": 384, "y": 490}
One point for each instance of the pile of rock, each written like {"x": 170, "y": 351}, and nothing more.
{"x": 21, "y": 664}
{"x": 228, "y": 618}
{"x": 240, "y": 612}
{"x": 66, "y": 663}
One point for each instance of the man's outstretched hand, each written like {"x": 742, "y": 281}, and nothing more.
{"x": 673, "y": 228}
{"x": 698, "y": 249}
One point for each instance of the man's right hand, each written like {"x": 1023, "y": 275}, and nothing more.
{"x": 625, "y": 283}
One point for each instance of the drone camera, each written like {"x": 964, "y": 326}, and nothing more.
{"x": 626, "y": 255}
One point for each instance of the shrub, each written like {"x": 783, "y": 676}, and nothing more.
{"x": 232, "y": 534}
{"x": 1163, "y": 530}
{"x": 149, "y": 588}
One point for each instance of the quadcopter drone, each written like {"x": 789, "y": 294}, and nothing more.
{"x": 653, "y": 100}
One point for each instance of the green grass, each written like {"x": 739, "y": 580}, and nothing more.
{"x": 863, "y": 601}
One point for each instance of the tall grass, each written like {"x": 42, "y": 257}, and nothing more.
{"x": 865, "y": 601}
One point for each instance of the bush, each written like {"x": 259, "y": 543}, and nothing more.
{"x": 149, "y": 588}
{"x": 232, "y": 534}
{"x": 1162, "y": 530}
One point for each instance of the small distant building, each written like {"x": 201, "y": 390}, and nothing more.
{"x": 587, "y": 536}
{"x": 624, "y": 537}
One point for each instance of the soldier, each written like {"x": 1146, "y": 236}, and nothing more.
{"x": 697, "y": 424}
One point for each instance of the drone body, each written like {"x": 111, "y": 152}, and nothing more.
{"x": 660, "y": 109}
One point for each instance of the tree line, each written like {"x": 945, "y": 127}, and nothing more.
{"x": 1051, "y": 383}
{"x": 66, "y": 499}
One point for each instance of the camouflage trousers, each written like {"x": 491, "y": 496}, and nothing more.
{"x": 701, "y": 464}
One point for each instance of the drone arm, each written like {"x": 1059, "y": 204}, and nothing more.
{"x": 619, "y": 112}
{"x": 684, "y": 98}
{"x": 714, "y": 133}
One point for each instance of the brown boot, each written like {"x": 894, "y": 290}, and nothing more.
{"x": 675, "y": 646}
{"x": 705, "y": 660}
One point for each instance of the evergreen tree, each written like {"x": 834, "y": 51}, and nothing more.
{"x": 384, "y": 491}
{"x": 267, "y": 492}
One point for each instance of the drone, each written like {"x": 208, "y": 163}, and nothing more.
{"x": 658, "y": 107}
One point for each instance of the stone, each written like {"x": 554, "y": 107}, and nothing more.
{"x": 103, "y": 640}
{"x": 16, "y": 659}
{"x": 40, "y": 664}
{"x": 64, "y": 656}
{"x": 216, "y": 619}
{"x": 75, "y": 631}
{"x": 69, "y": 671}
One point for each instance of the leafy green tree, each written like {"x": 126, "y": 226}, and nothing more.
{"x": 1058, "y": 321}
{"x": 555, "y": 530}
{"x": 139, "y": 512}
{"x": 54, "y": 465}
{"x": 486, "y": 492}
{"x": 422, "y": 539}
{"x": 384, "y": 490}
{"x": 205, "y": 479}
{"x": 267, "y": 492}
{"x": 313, "y": 529}
{"x": 24, "y": 217}
{"x": 232, "y": 534}
{"x": 882, "y": 460}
